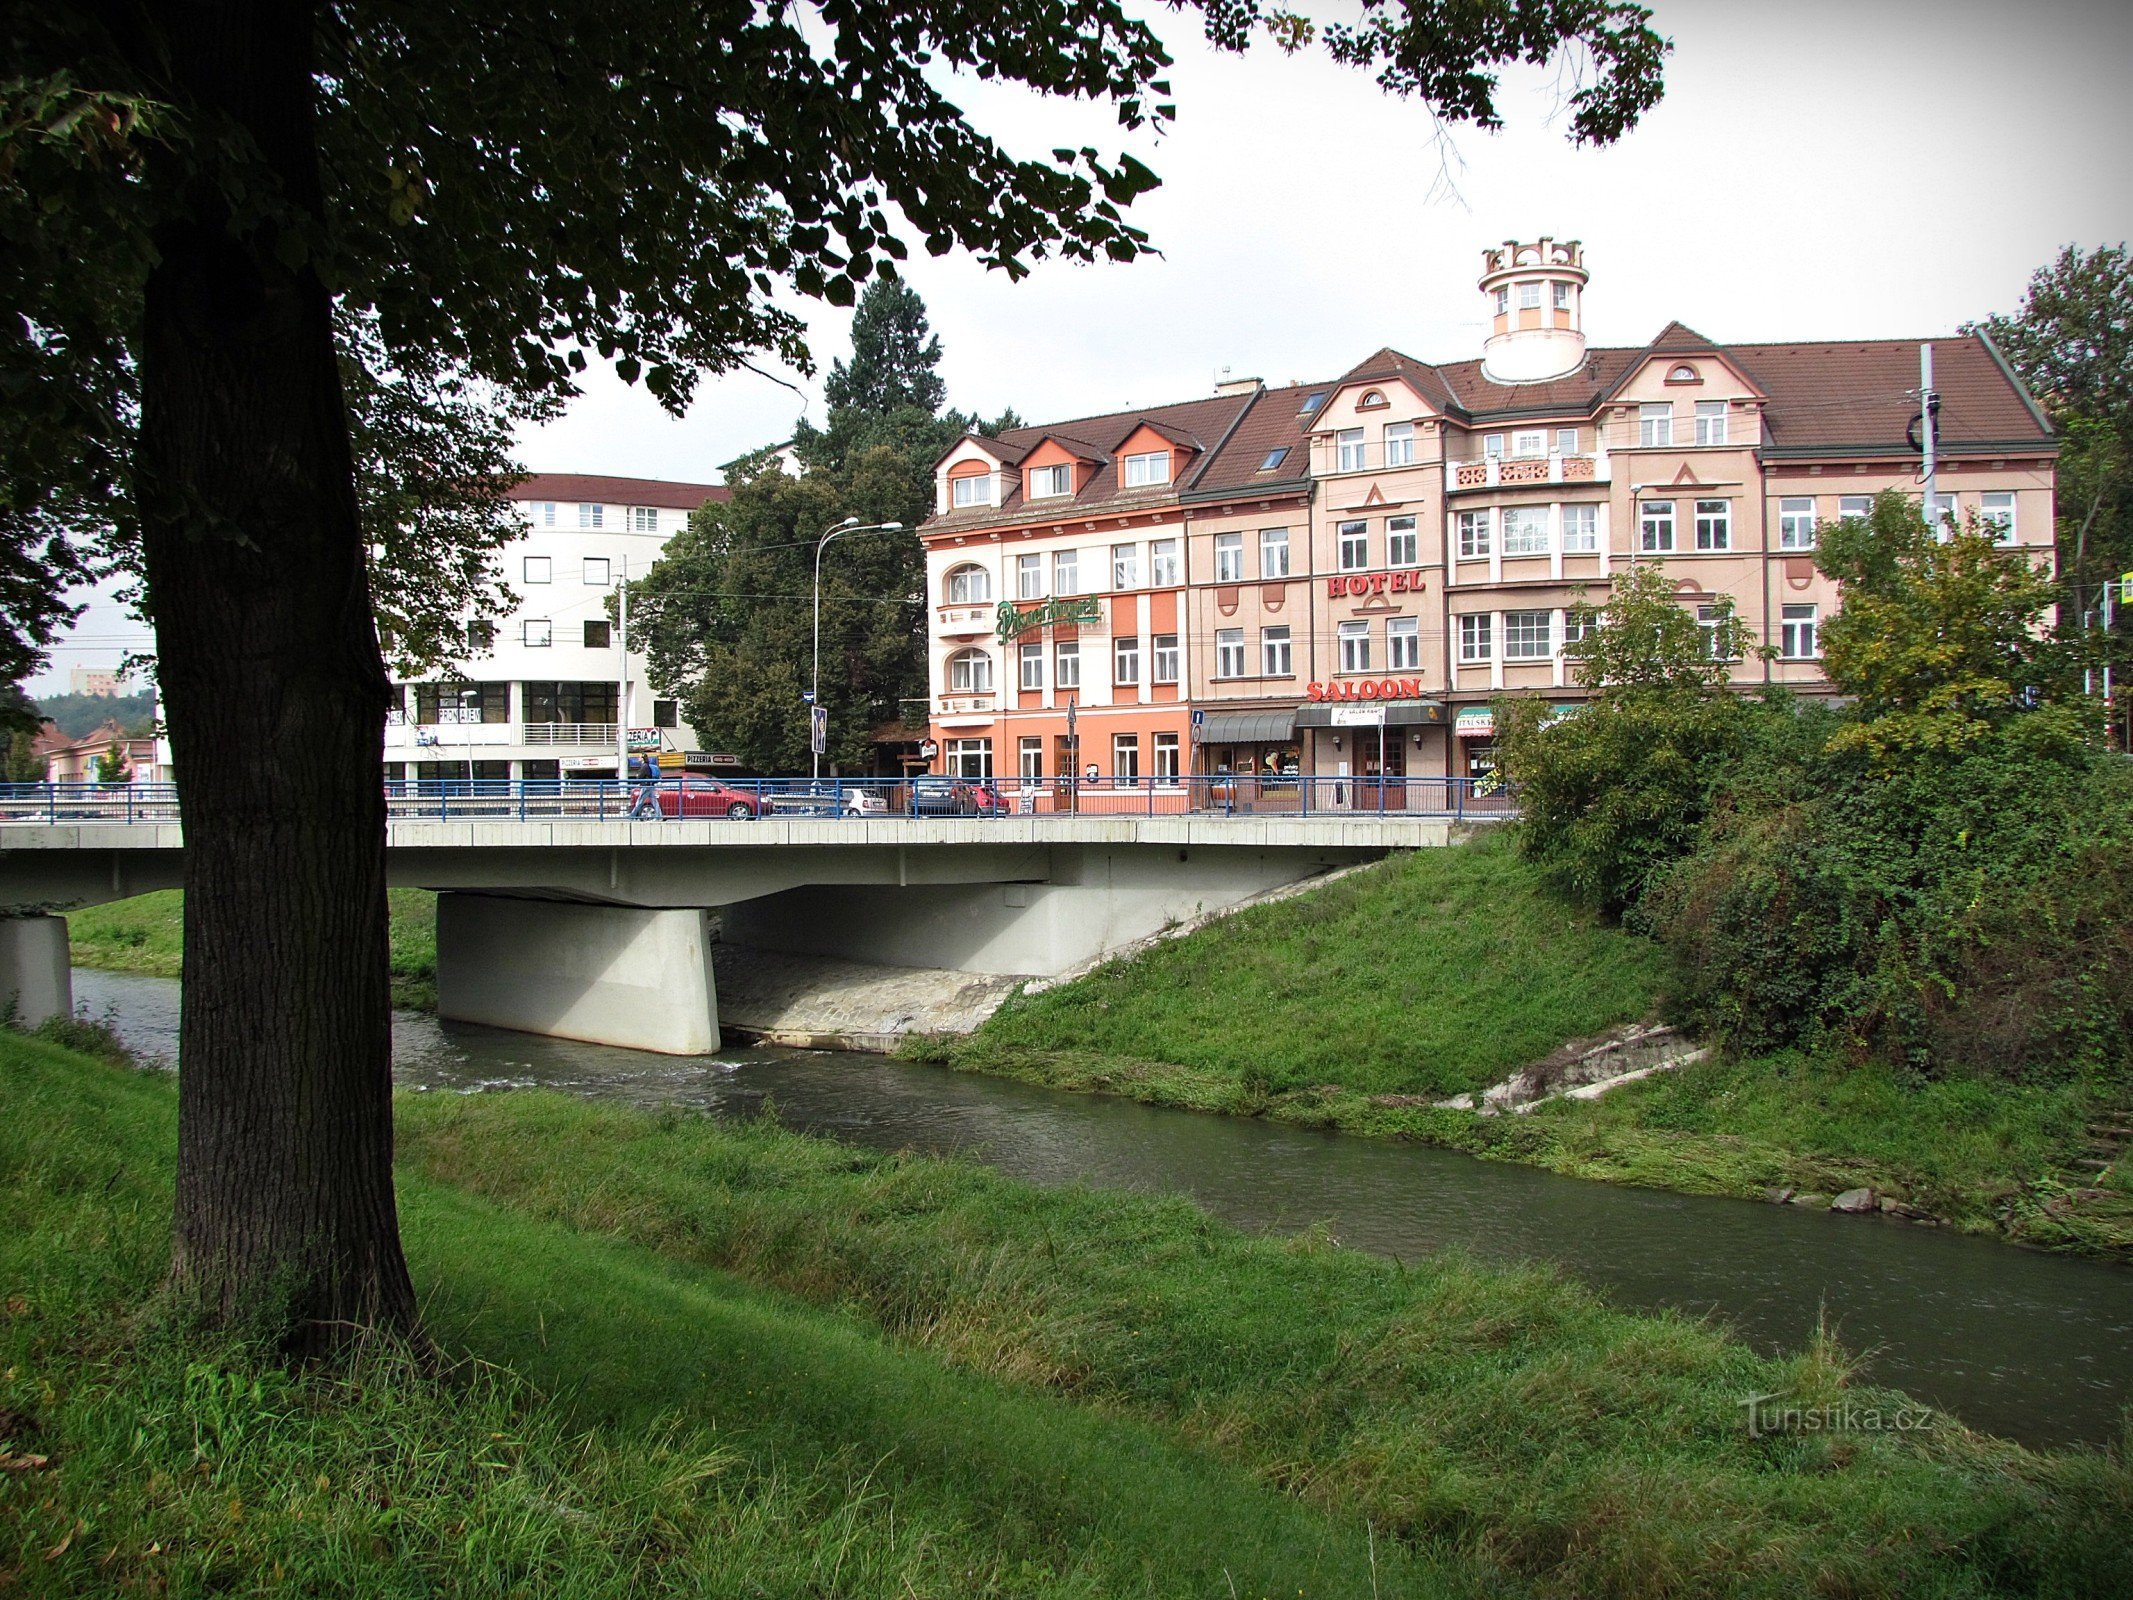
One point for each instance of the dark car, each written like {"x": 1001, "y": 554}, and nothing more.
{"x": 953, "y": 797}
{"x": 700, "y": 797}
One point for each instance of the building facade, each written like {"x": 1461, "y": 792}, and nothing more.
{"x": 1339, "y": 579}
{"x": 547, "y": 692}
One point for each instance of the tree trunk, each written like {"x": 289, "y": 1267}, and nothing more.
{"x": 275, "y": 694}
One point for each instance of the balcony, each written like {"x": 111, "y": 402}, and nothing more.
{"x": 400, "y": 734}
{"x": 1497, "y": 472}
{"x": 963, "y": 621}
{"x": 966, "y": 705}
{"x": 572, "y": 733}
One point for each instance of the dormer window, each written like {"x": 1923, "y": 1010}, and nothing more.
{"x": 1313, "y": 401}
{"x": 975, "y": 489}
{"x": 1274, "y": 458}
{"x": 1047, "y": 483}
{"x": 1148, "y": 469}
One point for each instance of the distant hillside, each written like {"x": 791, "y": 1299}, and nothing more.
{"x": 79, "y": 715}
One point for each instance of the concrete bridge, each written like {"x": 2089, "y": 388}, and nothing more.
{"x": 600, "y": 929}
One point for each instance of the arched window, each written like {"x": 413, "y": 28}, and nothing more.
{"x": 1371, "y": 400}
{"x": 969, "y": 586}
{"x": 970, "y": 672}
{"x": 1682, "y": 374}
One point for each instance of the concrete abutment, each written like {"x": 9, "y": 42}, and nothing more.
{"x": 36, "y": 977}
{"x": 618, "y": 975}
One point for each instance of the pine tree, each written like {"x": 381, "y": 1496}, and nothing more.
{"x": 894, "y": 354}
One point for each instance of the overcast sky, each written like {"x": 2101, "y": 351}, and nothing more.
{"x": 1818, "y": 169}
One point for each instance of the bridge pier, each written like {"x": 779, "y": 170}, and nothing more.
{"x": 614, "y": 975}
{"x": 35, "y": 975}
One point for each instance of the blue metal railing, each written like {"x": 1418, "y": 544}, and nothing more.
{"x": 697, "y": 797}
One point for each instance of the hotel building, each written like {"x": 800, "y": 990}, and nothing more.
{"x": 544, "y": 692}
{"x": 1339, "y": 578}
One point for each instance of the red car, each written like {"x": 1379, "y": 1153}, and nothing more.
{"x": 699, "y": 797}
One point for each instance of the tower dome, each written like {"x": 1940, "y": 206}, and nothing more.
{"x": 1537, "y": 303}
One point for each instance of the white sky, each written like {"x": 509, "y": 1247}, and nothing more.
{"x": 1818, "y": 169}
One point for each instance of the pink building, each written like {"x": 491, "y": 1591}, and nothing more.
{"x": 1341, "y": 577}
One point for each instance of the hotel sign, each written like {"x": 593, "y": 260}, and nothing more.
{"x": 1362, "y": 584}
{"x": 1010, "y": 624}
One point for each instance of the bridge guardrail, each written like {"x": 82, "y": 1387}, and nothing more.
{"x": 605, "y": 800}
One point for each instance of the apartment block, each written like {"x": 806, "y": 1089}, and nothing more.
{"x": 1340, "y": 578}
{"x": 546, "y": 692}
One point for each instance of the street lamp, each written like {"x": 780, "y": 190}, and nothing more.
{"x": 814, "y": 695}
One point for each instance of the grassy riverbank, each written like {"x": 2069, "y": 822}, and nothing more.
{"x": 778, "y": 1362}
{"x": 147, "y": 934}
{"x": 1357, "y": 1006}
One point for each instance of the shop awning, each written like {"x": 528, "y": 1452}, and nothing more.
{"x": 1247, "y": 727}
{"x": 1398, "y": 713}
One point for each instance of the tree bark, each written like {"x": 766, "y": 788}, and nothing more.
{"x": 275, "y": 692}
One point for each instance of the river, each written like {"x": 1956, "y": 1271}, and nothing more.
{"x": 2035, "y": 1347}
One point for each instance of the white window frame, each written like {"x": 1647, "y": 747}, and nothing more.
{"x": 1066, "y": 572}
{"x": 1655, "y": 527}
{"x": 1476, "y": 534}
{"x": 1581, "y": 528}
{"x": 1503, "y": 300}
{"x": 537, "y": 569}
{"x": 1528, "y": 635}
{"x": 1714, "y": 525}
{"x": 1492, "y": 446}
{"x": 1066, "y": 664}
{"x": 1711, "y": 422}
{"x": 1276, "y": 652}
{"x": 1229, "y": 558}
{"x": 1655, "y": 424}
{"x": 970, "y": 672}
{"x": 1163, "y": 563}
{"x": 1273, "y": 552}
{"x": 1029, "y": 759}
{"x": 1399, "y": 444}
{"x": 1796, "y": 522}
{"x": 1526, "y": 443}
{"x": 1529, "y": 296}
{"x": 547, "y": 510}
{"x": 536, "y": 633}
{"x": 969, "y": 585}
{"x": 1163, "y": 758}
{"x": 1147, "y": 469}
{"x": 644, "y": 519}
{"x": 1403, "y": 644}
{"x": 592, "y": 514}
{"x": 1562, "y": 297}
{"x": 1229, "y": 652}
{"x": 1351, "y": 543}
{"x": 971, "y": 489}
{"x": 1996, "y": 509}
{"x": 1799, "y": 633}
{"x": 1349, "y": 450}
{"x": 1126, "y": 756}
{"x": 1403, "y": 542}
{"x": 1476, "y": 638}
{"x": 1126, "y": 660}
{"x": 1032, "y": 658}
{"x": 1029, "y": 576}
{"x": 1354, "y": 646}
{"x": 1525, "y": 531}
{"x": 1163, "y": 658}
{"x": 1055, "y": 482}
{"x": 1126, "y": 566}
{"x": 1566, "y": 441}
{"x": 1855, "y": 505}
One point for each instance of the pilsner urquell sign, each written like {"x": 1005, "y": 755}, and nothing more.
{"x": 1011, "y": 623}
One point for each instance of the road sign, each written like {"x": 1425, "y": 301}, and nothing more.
{"x": 819, "y": 729}
{"x": 1199, "y": 716}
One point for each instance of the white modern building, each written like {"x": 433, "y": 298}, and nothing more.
{"x": 546, "y": 692}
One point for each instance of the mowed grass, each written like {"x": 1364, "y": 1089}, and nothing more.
{"x": 1501, "y": 1417}
{"x": 629, "y": 1424}
{"x": 147, "y": 934}
{"x": 1436, "y": 972}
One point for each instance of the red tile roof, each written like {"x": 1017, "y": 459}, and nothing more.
{"x": 600, "y": 489}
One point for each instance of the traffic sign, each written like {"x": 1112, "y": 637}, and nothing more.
{"x": 819, "y": 728}
{"x": 1199, "y": 716}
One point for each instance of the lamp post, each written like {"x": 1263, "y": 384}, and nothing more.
{"x": 814, "y": 693}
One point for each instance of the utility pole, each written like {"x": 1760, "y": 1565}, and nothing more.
{"x": 1925, "y": 433}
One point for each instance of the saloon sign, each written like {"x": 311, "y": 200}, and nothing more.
{"x": 1366, "y": 689}
{"x": 1010, "y": 623}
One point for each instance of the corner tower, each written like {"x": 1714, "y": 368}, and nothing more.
{"x": 1537, "y": 300}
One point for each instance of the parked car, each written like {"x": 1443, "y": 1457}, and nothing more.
{"x": 692, "y": 796}
{"x": 827, "y": 800}
{"x": 953, "y": 797}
